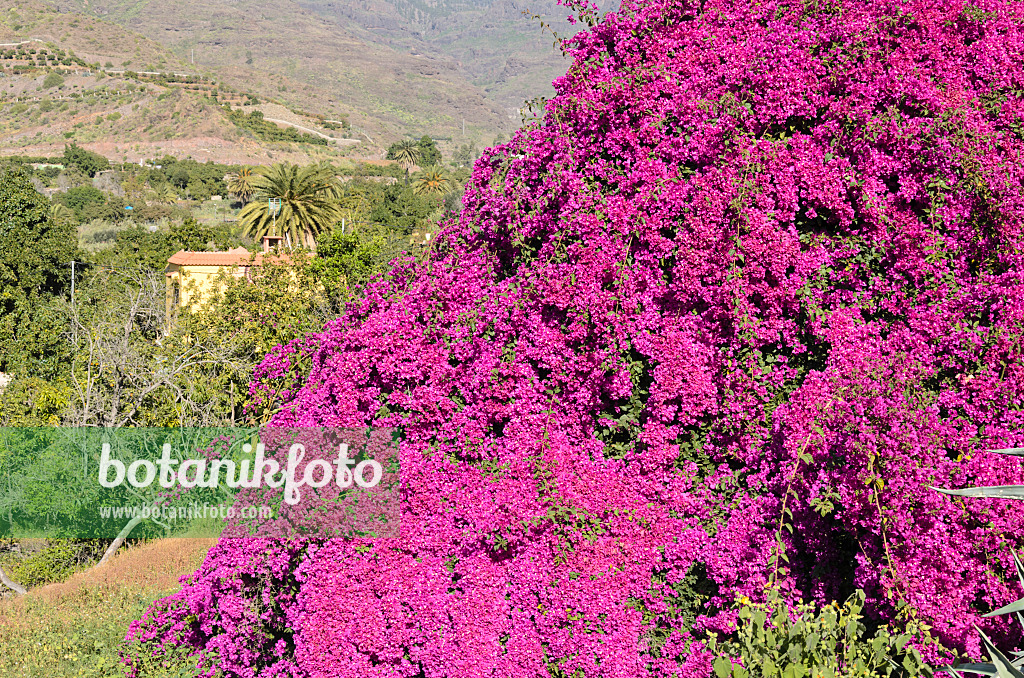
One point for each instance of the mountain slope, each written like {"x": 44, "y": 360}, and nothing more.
{"x": 69, "y": 78}
{"x": 307, "y": 58}
{"x": 494, "y": 42}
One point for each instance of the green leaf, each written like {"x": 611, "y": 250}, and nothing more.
{"x": 1016, "y": 451}
{"x": 812, "y": 641}
{"x": 723, "y": 667}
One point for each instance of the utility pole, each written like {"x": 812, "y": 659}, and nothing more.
{"x": 274, "y": 206}
{"x": 74, "y": 326}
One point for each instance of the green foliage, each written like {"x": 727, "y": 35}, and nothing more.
{"x": 31, "y": 401}
{"x": 240, "y": 184}
{"x": 80, "y": 197}
{"x": 52, "y": 80}
{"x": 405, "y": 152}
{"x": 268, "y": 131}
{"x": 192, "y": 236}
{"x": 465, "y": 155}
{"x": 88, "y": 162}
{"x": 34, "y": 270}
{"x": 346, "y": 261}
{"x": 399, "y": 207}
{"x": 56, "y": 561}
{"x": 184, "y": 174}
{"x": 88, "y": 203}
{"x": 137, "y": 245}
{"x": 198, "y": 190}
{"x": 432, "y": 182}
{"x": 429, "y": 153}
{"x": 828, "y": 643}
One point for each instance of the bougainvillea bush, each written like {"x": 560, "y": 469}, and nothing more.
{"x": 716, "y": 322}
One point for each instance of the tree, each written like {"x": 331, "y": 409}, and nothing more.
{"x": 429, "y": 154}
{"x": 346, "y": 261}
{"x": 191, "y": 235}
{"x": 51, "y": 80}
{"x": 465, "y": 155}
{"x": 432, "y": 181}
{"x": 35, "y": 268}
{"x": 163, "y": 194}
{"x": 32, "y": 401}
{"x": 121, "y": 372}
{"x": 399, "y": 207}
{"x": 88, "y": 162}
{"x": 406, "y": 152}
{"x": 60, "y": 213}
{"x": 242, "y": 320}
{"x": 241, "y": 184}
{"x": 308, "y": 198}
{"x": 79, "y": 198}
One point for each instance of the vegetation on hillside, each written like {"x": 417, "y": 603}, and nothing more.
{"x": 268, "y": 131}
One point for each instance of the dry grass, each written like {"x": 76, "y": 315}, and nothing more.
{"x": 77, "y": 627}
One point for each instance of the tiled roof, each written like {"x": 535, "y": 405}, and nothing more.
{"x": 237, "y": 256}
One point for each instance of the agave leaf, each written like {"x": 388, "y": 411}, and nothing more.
{"x": 1015, "y": 451}
{"x": 996, "y": 491}
{"x": 1015, "y": 606}
{"x": 1004, "y": 667}
{"x": 983, "y": 669}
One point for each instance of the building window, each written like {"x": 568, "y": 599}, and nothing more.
{"x": 175, "y": 295}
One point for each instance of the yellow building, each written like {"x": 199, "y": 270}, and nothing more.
{"x": 192, "y": 276}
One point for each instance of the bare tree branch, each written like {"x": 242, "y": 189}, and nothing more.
{"x": 11, "y": 584}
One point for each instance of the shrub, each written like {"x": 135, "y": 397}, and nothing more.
{"x": 55, "y": 562}
{"x": 52, "y": 80}
{"x": 88, "y": 162}
{"x": 713, "y": 324}
{"x": 828, "y": 643}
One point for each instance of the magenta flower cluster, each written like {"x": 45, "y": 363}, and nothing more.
{"x": 719, "y": 320}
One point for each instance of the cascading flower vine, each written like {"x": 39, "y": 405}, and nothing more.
{"x": 718, "y": 320}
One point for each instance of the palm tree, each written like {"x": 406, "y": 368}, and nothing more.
{"x": 60, "y": 213}
{"x": 406, "y": 152}
{"x": 432, "y": 181}
{"x": 164, "y": 194}
{"x": 308, "y": 198}
{"x": 241, "y": 184}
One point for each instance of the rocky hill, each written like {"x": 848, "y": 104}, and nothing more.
{"x": 70, "y": 78}
{"x": 392, "y": 67}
